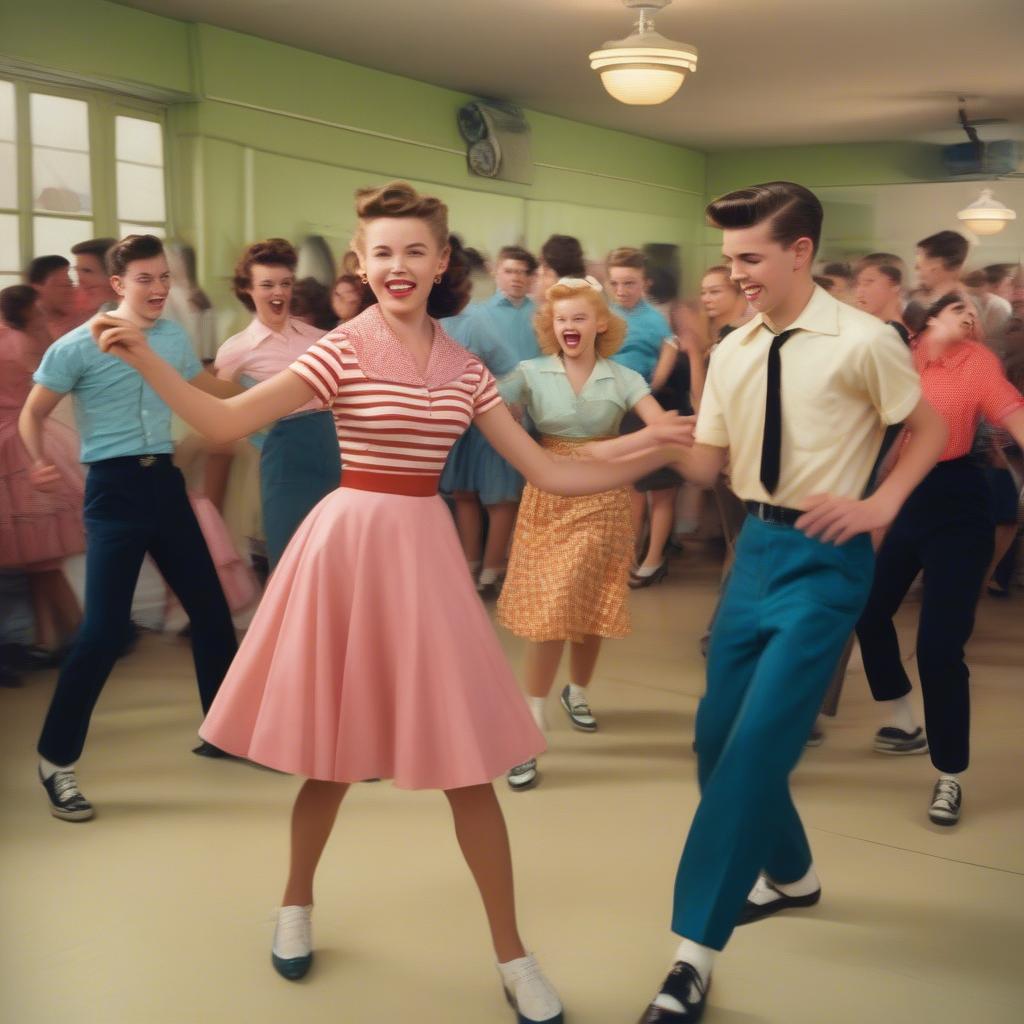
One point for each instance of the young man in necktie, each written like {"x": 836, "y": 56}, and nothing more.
{"x": 797, "y": 401}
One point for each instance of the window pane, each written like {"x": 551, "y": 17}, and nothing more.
{"x": 60, "y": 181}
{"x": 126, "y": 227}
{"x": 8, "y": 174}
{"x": 140, "y": 192}
{"x": 141, "y": 142}
{"x": 7, "y": 111}
{"x": 56, "y": 235}
{"x": 9, "y": 258}
{"x": 60, "y": 122}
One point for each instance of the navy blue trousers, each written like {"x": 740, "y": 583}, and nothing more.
{"x": 131, "y": 509}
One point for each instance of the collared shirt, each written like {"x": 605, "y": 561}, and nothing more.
{"x": 965, "y": 383}
{"x": 845, "y": 376}
{"x": 647, "y": 330}
{"x": 542, "y": 386}
{"x": 117, "y": 412}
{"x": 392, "y": 417}
{"x": 513, "y": 326}
{"x": 259, "y": 352}
{"x": 477, "y": 335}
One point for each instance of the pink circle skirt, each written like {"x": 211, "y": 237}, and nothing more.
{"x": 371, "y": 656}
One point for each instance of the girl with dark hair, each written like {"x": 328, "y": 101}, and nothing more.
{"x": 560, "y": 256}
{"x": 38, "y": 529}
{"x": 371, "y": 655}
{"x": 299, "y": 457}
{"x": 945, "y": 528}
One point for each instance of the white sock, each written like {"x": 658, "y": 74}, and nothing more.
{"x": 647, "y": 570}
{"x": 802, "y": 886}
{"x": 537, "y": 705}
{"x": 698, "y": 956}
{"x": 900, "y": 714}
{"x": 489, "y": 576}
{"x": 951, "y": 778}
{"x": 577, "y": 691}
{"x": 47, "y": 768}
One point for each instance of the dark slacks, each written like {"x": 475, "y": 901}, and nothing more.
{"x": 945, "y": 529}
{"x": 134, "y": 506}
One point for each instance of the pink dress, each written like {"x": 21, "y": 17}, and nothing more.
{"x": 371, "y": 655}
{"x": 38, "y": 529}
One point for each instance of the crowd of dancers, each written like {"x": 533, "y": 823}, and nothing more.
{"x": 565, "y": 420}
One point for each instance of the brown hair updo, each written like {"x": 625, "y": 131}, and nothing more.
{"x": 400, "y": 199}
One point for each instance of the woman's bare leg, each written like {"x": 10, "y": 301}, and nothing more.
{"x": 483, "y": 839}
{"x": 313, "y": 814}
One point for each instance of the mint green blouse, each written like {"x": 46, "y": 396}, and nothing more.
{"x": 542, "y": 386}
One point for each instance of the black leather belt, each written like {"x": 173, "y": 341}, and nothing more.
{"x": 773, "y": 513}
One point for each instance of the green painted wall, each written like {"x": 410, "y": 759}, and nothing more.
{"x": 253, "y": 154}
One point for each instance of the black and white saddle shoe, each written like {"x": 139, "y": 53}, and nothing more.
{"x": 774, "y": 900}
{"x": 681, "y": 999}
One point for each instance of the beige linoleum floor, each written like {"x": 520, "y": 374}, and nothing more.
{"x": 160, "y": 910}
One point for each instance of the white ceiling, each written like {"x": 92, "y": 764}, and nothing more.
{"x": 777, "y": 72}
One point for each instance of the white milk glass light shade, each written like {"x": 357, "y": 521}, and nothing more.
{"x": 645, "y": 68}
{"x": 986, "y": 215}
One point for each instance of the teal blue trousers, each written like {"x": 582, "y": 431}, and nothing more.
{"x": 787, "y": 611}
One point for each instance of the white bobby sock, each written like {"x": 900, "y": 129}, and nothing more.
{"x": 698, "y": 956}
{"x": 577, "y": 691}
{"x": 805, "y": 886}
{"x": 900, "y": 714}
{"x": 48, "y": 769}
{"x": 488, "y": 576}
{"x": 647, "y": 570}
{"x": 951, "y": 777}
{"x": 537, "y": 705}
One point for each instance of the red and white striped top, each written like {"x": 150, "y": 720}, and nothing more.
{"x": 392, "y": 419}
{"x": 963, "y": 384}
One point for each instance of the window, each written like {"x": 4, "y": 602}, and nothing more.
{"x": 10, "y": 256}
{"x": 75, "y": 165}
{"x": 140, "y": 176}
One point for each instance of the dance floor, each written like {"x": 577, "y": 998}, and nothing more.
{"x": 160, "y": 911}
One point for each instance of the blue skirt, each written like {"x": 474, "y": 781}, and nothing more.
{"x": 300, "y": 464}
{"x": 474, "y": 466}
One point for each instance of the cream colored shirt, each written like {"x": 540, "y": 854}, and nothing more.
{"x": 845, "y": 377}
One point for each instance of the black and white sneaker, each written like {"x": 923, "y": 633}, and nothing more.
{"x": 524, "y": 776}
{"x": 66, "y": 802}
{"x": 578, "y": 710}
{"x": 946, "y": 800}
{"x": 681, "y": 999}
{"x": 890, "y": 740}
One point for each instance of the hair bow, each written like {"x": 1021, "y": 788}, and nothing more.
{"x": 582, "y": 282}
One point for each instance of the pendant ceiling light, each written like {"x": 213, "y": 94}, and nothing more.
{"x": 986, "y": 215}
{"x": 645, "y": 68}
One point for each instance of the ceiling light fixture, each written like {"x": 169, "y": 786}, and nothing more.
{"x": 645, "y": 68}
{"x": 986, "y": 215}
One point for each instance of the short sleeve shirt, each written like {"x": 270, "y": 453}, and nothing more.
{"x": 845, "y": 376}
{"x": 391, "y": 418}
{"x": 543, "y": 387}
{"x": 118, "y": 414}
{"x": 647, "y": 330}
{"x": 258, "y": 352}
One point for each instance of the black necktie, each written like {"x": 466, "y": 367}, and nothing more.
{"x": 771, "y": 446}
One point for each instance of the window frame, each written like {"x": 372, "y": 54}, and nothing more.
{"x": 103, "y": 109}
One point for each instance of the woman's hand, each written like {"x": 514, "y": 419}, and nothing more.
{"x": 119, "y": 337}
{"x": 44, "y": 476}
{"x": 671, "y": 429}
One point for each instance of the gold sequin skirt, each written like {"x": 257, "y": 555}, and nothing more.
{"x": 568, "y": 572}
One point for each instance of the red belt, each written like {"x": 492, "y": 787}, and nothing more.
{"x": 409, "y": 484}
